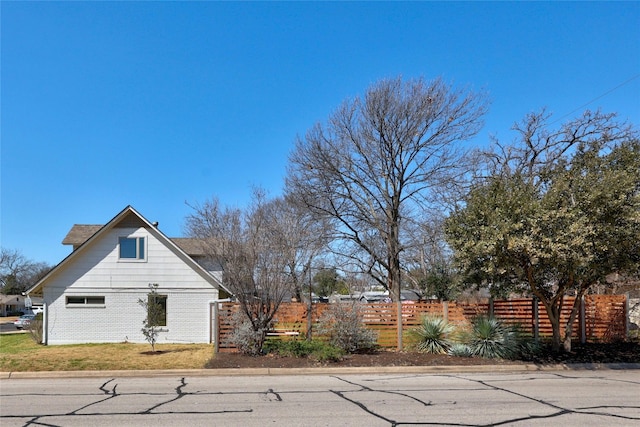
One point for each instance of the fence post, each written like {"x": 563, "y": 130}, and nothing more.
{"x": 536, "y": 319}
{"x": 445, "y": 311}
{"x": 490, "y": 314}
{"x": 627, "y": 313}
{"x": 583, "y": 323}
{"x": 309, "y": 309}
{"x": 216, "y": 328}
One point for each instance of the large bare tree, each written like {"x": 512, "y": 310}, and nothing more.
{"x": 375, "y": 164}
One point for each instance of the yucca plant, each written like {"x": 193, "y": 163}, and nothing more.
{"x": 491, "y": 338}
{"x": 432, "y": 336}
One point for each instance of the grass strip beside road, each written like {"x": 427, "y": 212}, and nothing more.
{"x": 19, "y": 353}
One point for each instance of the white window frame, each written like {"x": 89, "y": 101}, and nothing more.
{"x": 138, "y": 258}
{"x": 87, "y": 301}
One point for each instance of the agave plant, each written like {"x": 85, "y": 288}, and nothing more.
{"x": 432, "y": 335}
{"x": 491, "y": 338}
{"x": 460, "y": 350}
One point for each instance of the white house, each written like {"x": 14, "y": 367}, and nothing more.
{"x": 15, "y": 304}
{"x": 92, "y": 295}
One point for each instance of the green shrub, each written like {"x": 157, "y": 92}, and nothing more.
{"x": 327, "y": 353}
{"x": 432, "y": 336}
{"x": 491, "y": 338}
{"x": 318, "y": 350}
{"x": 290, "y": 348}
{"x": 528, "y": 349}
{"x": 342, "y": 324}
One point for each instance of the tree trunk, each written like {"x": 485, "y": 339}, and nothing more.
{"x": 555, "y": 326}
{"x": 568, "y": 328}
{"x": 553, "y": 312}
{"x": 394, "y": 292}
{"x": 395, "y": 274}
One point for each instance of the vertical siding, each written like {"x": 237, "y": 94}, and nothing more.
{"x": 99, "y": 272}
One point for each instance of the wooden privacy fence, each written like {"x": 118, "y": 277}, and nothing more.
{"x": 602, "y": 318}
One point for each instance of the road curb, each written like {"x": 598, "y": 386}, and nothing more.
{"x": 360, "y": 370}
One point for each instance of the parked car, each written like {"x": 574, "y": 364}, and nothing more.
{"x": 24, "y": 321}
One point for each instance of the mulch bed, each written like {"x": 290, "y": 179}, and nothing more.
{"x": 581, "y": 353}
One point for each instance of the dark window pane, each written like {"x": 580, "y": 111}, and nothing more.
{"x": 141, "y": 248}
{"x": 157, "y": 310}
{"x": 127, "y": 247}
{"x": 95, "y": 300}
{"x": 75, "y": 300}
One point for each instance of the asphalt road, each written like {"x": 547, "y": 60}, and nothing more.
{"x": 7, "y": 326}
{"x": 567, "y": 398}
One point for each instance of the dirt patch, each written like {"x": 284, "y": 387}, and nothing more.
{"x": 587, "y": 353}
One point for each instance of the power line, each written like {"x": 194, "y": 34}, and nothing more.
{"x": 597, "y": 98}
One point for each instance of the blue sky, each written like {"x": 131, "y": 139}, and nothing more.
{"x": 160, "y": 104}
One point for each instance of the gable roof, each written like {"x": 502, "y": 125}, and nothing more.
{"x": 77, "y": 236}
{"x": 80, "y": 233}
{"x": 10, "y": 299}
{"x": 191, "y": 246}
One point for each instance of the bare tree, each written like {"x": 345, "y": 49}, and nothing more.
{"x": 304, "y": 238}
{"x": 263, "y": 252}
{"x": 377, "y": 162}
{"x": 18, "y": 273}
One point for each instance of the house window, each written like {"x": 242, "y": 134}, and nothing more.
{"x": 85, "y": 301}
{"x": 132, "y": 248}
{"x": 157, "y": 310}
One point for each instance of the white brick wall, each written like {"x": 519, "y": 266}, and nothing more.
{"x": 99, "y": 272}
{"x": 121, "y": 318}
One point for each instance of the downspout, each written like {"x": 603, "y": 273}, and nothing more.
{"x": 45, "y": 323}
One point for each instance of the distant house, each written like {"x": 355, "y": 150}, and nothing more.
{"x": 92, "y": 295}
{"x": 11, "y": 305}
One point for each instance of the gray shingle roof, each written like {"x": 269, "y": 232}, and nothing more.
{"x": 191, "y": 246}
{"x": 80, "y": 233}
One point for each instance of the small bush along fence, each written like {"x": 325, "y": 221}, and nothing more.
{"x": 602, "y": 318}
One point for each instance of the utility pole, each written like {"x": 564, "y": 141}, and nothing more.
{"x": 309, "y": 308}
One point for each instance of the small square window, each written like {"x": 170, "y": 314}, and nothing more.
{"x": 132, "y": 248}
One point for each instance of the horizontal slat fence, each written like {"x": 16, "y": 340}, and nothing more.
{"x": 599, "y": 307}
{"x": 602, "y": 317}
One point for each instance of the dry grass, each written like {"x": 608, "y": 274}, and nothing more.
{"x": 18, "y": 352}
